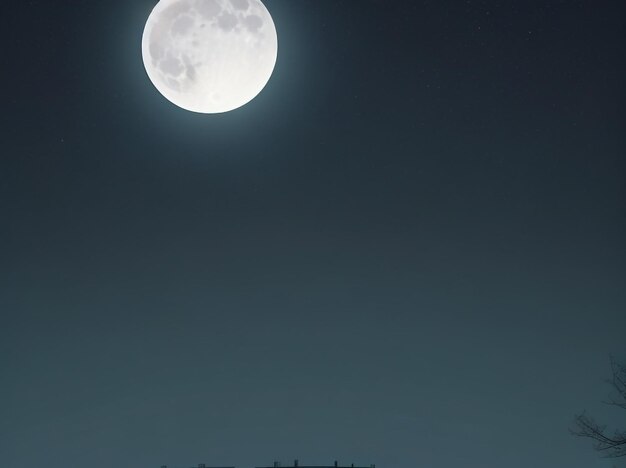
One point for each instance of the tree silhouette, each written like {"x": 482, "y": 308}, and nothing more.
{"x": 610, "y": 444}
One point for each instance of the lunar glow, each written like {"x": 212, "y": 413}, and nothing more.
{"x": 209, "y": 56}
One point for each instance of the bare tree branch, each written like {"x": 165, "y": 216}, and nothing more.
{"x": 618, "y": 382}
{"x": 610, "y": 445}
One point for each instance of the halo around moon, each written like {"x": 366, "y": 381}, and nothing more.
{"x": 209, "y": 56}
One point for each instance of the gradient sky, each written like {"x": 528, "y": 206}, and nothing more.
{"x": 408, "y": 250}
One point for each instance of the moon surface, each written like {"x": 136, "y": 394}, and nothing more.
{"x": 209, "y": 56}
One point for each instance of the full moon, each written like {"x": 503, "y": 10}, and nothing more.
{"x": 209, "y": 56}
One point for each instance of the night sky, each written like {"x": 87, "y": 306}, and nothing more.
{"x": 408, "y": 250}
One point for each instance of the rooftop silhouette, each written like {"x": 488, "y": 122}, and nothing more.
{"x": 278, "y": 464}
{"x": 296, "y": 464}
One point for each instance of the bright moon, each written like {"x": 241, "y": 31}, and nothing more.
{"x": 209, "y": 56}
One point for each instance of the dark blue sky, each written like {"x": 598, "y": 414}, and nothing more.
{"x": 408, "y": 250}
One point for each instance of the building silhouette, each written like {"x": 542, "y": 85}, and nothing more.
{"x": 200, "y": 465}
{"x": 296, "y": 464}
{"x": 278, "y": 464}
